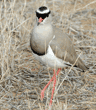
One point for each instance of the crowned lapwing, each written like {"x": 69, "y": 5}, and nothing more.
{"x": 51, "y": 46}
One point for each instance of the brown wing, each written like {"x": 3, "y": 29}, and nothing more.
{"x": 63, "y": 48}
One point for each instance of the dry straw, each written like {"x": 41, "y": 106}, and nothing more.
{"x": 22, "y": 78}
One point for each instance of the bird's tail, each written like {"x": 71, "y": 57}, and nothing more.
{"x": 81, "y": 65}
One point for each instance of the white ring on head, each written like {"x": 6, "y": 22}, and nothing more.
{"x": 42, "y": 12}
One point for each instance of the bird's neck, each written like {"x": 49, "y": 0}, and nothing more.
{"x": 41, "y": 37}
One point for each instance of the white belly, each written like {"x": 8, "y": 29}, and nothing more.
{"x": 50, "y": 59}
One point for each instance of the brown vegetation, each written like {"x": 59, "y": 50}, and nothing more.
{"x": 22, "y": 77}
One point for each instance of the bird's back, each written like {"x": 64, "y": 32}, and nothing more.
{"x": 63, "y": 48}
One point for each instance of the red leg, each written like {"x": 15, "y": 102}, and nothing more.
{"x": 42, "y": 92}
{"x": 53, "y": 89}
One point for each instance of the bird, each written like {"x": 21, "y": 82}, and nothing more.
{"x": 52, "y": 47}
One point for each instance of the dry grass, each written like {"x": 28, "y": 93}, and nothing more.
{"x": 22, "y": 78}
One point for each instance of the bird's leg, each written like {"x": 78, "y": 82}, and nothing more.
{"x": 54, "y": 86}
{"x": 42, "y": 92}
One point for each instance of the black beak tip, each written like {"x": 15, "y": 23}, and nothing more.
{"x": 38, "y": 23}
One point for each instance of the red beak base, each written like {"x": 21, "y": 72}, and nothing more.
{"x": 40, "y": 20}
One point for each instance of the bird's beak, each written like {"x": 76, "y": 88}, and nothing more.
{"x": 40, "y": 20}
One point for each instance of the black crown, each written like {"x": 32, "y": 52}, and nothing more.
{"x": 42, "y": 8}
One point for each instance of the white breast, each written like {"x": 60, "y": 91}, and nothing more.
{"x": 50, "y": 59}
